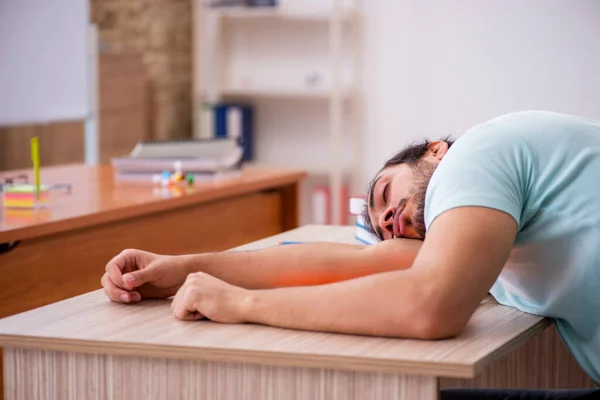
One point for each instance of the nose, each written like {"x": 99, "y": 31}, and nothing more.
{"x": 386, "y": 221}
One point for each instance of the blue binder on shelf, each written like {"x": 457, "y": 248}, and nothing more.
{"x": 236, "y": 121}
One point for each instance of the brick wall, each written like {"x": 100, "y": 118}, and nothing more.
{"x": 161, "y": 30}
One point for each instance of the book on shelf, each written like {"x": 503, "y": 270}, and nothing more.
{"x": 225, "y": 3}
{"x": 235, "y": 121}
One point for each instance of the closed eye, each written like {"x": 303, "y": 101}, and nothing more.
{"x": 385, "y": 193}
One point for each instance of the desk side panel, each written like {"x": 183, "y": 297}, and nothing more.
{"x": 35, "y": 374}
{"x": 542, "y": 362}
{"x": 290, "y": 207}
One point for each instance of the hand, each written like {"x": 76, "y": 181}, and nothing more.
{"x": 204, "y": 296}
{"x": 134, "y": 274}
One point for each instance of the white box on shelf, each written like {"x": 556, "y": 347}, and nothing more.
{"x": 356, "y": 205}
{"x": 312, "y": 7}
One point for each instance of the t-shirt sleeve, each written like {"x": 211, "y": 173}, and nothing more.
{"x": 489, "y": 166}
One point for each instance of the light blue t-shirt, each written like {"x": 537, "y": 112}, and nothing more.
{"x": 543, "y": 169}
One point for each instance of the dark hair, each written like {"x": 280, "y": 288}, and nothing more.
{"x": 411, "y": 154}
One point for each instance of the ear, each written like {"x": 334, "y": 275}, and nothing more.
{"x": 438, "y": 149}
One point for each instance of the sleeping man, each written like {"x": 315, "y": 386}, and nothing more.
{"x": 511, "y": 208}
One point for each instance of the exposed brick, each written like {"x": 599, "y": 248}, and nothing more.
{"x": 161, "y": 30}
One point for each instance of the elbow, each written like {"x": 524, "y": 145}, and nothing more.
{"x": 437, "y": 318}
{"x": 437, "y": 314}
{"x": 426, "y": 325}
{"x": 432, "y": 326}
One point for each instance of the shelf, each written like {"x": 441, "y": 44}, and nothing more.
{"x": 283, "y": 93}
{"x": 236, "y": 69}
{"x": 314, "y": 170}
{"x": 274, "y": 13}
{"x": 320, "y": 170}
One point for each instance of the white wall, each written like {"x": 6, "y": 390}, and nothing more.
{"x": 444, "y": 66}
{"x": 431, "y": 69}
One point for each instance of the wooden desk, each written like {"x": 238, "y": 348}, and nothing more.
{"x": 63, "y": 250}
{"x": 89, "y": 347}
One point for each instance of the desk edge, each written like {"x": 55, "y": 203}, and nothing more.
{"x": 284, "y": 359}
{"x": 160, "y": 205}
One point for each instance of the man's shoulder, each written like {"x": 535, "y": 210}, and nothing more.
{"x": 504, "y": 133}
{"x": 521, "y": 132}
{"x": 530, "y": 135}
{"x": 511, "y": 123}
{"x": 522, "y": 118}
{"x": 531, "y": 124}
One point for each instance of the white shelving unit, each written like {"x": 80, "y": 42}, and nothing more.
{"x": 215, "y": 81}
{"x": 276, "y": 12}
{"x": 280, "y": 93}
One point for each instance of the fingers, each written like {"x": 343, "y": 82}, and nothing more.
{"x": 192, "y": 316}
{"x": 117, "y": 294}
{"x": 120, "y": 264}
{"x": 123, "y": 268}
{"x": 112, "y": 291}
{"x": 134, "y": 279}
{"x": 179, "y": 304}
{"x": 184, "y": 303}
{"x": 113, "y": 272}
{"x": 211, "y": 297}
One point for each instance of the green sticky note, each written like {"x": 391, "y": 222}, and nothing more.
{"x": 24, "y": 188}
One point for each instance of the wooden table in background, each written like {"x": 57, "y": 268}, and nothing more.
{"x": 90, "y": 348}
{"x": 62, "y": 251}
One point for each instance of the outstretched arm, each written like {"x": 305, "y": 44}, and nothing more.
{"x": 305, "y": 264}
{"x": 135, "y": 274}
{"x": 460, "y": 259}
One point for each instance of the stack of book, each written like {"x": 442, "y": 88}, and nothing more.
{"x": 203, "y": 159}
{"x": 357, "y": 205}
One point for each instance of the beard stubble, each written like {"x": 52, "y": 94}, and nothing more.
{"x": 422, "y": 173}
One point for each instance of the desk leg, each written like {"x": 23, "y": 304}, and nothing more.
{"x": 542, "y": 362}
{"x": 41, "y": 374}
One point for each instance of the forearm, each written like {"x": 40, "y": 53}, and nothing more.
{"x": 395, "y": 304}
{"x": 305, "y": 264}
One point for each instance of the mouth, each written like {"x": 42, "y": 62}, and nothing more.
{"x": 399, "y": 223}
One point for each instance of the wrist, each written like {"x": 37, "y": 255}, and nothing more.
{"x": 191, "y": 263}
{"x": 247, "y": 305}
